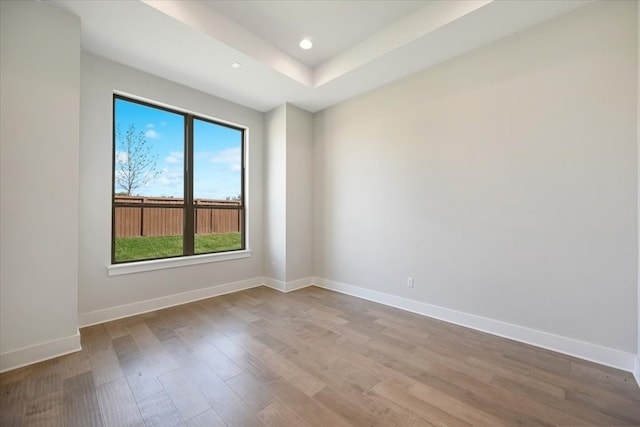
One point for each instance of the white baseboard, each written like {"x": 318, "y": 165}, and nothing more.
{"x": 126, "y": 310}
{"x": 37, "y": 353}
{"x": 572, "y": 347}
{"x": 293, "y": 285}
{"x": 636, "y": 369}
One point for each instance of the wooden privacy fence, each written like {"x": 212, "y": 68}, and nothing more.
{"x": 211, "y": 216}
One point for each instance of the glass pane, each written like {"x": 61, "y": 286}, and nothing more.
{"x": 149, "y": 151}
{"x": 217, "y": 162}
{"x": 147, "y": 233}
{"x": 218, "y": 230}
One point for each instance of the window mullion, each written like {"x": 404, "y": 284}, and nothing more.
{"x": 189, "y": 227}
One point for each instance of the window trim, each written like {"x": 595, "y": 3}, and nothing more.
{"x": 173, "y": 262}
{"x": 188, "y": 206}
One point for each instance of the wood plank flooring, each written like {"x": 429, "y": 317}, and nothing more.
{"x": 310, "y": 358}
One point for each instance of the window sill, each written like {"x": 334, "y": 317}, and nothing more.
{"x": 161, "y": 264}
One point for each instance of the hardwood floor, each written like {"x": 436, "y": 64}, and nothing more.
{"x": 309, "y": 358}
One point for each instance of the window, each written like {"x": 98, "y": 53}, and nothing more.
{"x": 178, "y": 183}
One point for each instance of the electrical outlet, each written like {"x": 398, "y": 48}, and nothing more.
{"x": 410, "y": 282}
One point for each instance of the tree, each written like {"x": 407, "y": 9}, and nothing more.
{"x": 135, "y": 161}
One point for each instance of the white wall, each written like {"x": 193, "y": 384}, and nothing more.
{"x": 275, "y": 184}
{"x": 39, "y": 138}
{"x": 288, "y": 228}
{"x": 299, "y": 201}
{"x": 637, "y": 367}
{"x": 503, "y": 181}
{"x": 97, "y": 290}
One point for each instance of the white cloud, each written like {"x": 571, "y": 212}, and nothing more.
{"x": 122, "y": 157}
{"x": 150, "y": 125}
{"x": 230, "y": 156}
{"x": 174, "y": 157}
{"x": 169, "y": 177}
{"x": 152, "y": 134}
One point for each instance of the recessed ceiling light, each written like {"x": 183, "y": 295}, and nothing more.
{"x": 306, "y": 44}
{"x": 236, "y": 65}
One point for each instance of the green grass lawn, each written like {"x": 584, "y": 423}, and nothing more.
{"x": 139, "y": 248}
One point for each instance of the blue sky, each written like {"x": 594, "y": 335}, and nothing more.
{"x": 217, "y": 153}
